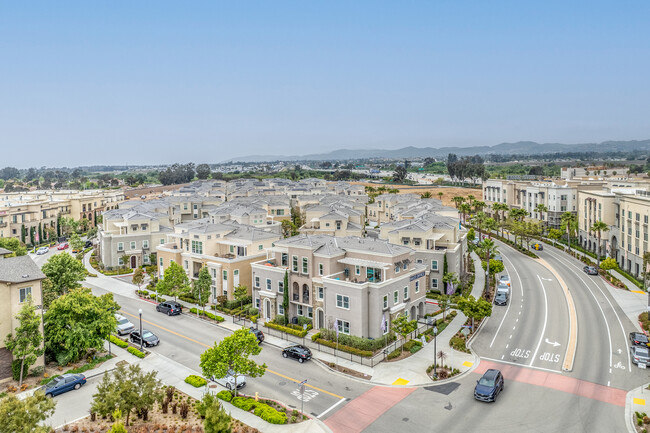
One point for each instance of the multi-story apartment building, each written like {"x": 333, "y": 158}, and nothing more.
{"x": 352, "y": 281}
{"x": 628, "y": 238}
{"x": 227, "y": 249}
{"x": 433, "y": 238}
{"x": 336, "y": 219}
{"x": 593, "y": 206}
{"x": 381, "y": 211}
{"x": 20, "y": 278}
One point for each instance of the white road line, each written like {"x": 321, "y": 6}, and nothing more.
{"x": 509, "y": 303}
{"x": 608, "y": 383}
{"x": 541, "y": 337}
{"x": 332, "y": 407}
{"x": 522, "y": 365}
{"x": 507, "y": 345}
{"x": 514, "y": 327}
{"x": 517, "y": 319}
{"x": 502, "y": 356}
{"x": 609, "y": 335}
{"x": 510, "y": 336}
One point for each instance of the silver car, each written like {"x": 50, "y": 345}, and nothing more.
{"x": 123, "y": 325}
{"x": 228, "y": 381}
{"x": 505, "y": 279}
{"x": 640, "y": 355}
{"x": 42, "y": 250}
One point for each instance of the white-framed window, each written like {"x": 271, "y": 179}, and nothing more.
{"x": 197, "y": 247}
{"x": 132, "y": 245}
{"x": 225, "y": 292}
{"x": 387, "y": 327}
{"x": 162, "y": 241}
{"x": 257, "y": 303}
{"x": 280, "y": 286}
{"x": 343, "y": 301}
{"x": 385, "y": 301}
{"x": 406, "y": 292}
{"x": 186, "y": 264}
{"x": 145, "y": 244}
{"x": 305, "y": 265}
{"x": 344, "y": 326}
{"x": 357, "y": 270}
{"x": 405, "y": 266}
{"x": 120, "y": 246}
{"x": 268, "y": 284}
{"x": 284, "y": 259}
{"x": 300, "y": 310}
{"x": 225, "y": 275}
{"x": 397, "y": 268}
{"x": 417, "y": 287}
{"x": 214, "y": 273}
{"x": 280, "y": 308}
{"x": 24, "y": 293}
{"x": 161, "y": 262}
{"x": 434, "y": 265}
{"x": 257, "y": 282}
{"x": 320, "y": 269}
{"x": 434, "y": 283}
{"x": 260, "y": 247}
{"x": 396, "y": 296}
{"x": 310, "y": 312}
{"x": 321, "y": 293}
{"x": 120, "y": 262}
{"x": 294, "y": 263}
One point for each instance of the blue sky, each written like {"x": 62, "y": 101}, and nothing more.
{"x": 160, "y": 82}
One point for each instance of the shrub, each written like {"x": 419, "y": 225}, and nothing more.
{"x": 279, "y": 319}
{"x": 37, "y": 371}
{"x": 298, "y": 333}
{"x": 458, "y": 344}
{"x": 305, "y": 321}
{"x": 196, "y": 381}
{"x": 118, "y": 342}
{"x": 357, "y": 342}
{"x": 224, "y": 395}
{"x": 344, "y": 348}
{"x": 207, "y": 314}
{"x": 413, "y": 346}
{"x": 136, "y": 352}
{"x": 253, "y": 311}
{"x": 394, "y": 354}
{"x": 269, "y": 414}
{"x": 15, "y": 369}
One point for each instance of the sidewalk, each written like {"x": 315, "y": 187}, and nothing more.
{"x": 636, "y": 401}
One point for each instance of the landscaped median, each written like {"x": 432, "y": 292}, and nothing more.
{"x": 196, "y": 381}
{"x": 207, "y": 314}
{"x": 269, "y": 410}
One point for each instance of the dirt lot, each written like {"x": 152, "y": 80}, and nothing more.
{"x": 448, "y": 192}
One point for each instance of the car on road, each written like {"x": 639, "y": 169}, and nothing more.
{"x": 258, "y": 333}
{"x": 505, "y": 279}
{"x": 537, "y": 246}
{"x": 299, "y": 352}
{"x": 170, "y": 308}
{"x": 640, "y": 355}
{"x": 124, "y": 326}
{"x": 501, "y": 298}
{"x": 590, "y": 270}
{"x": 149, "y": 339}
{"x": 63, "y": 246}
{"x": 64, "y": 383}
{"x": 88, "y": 244}
{"x": 489, "y": 386}
{"x": 42, "y": 250}
{"x": 497, "y": 258}
{"x": 501, "y": 287}
{"x": 639, "y": 339}
{"x": 228, "y": 381}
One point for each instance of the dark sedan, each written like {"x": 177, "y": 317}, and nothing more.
{"x": 301, "y": 353}
{"x": 489, "y": 386}
{"x": 590, "y": 270}
{"x": 149, "y": 339}
{"x": 639, "y": 339}
{"x": 64, "y": 383}
{"x": 258, "y": 334}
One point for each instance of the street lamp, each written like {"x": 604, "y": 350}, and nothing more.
{"x": 141, "y": 337}
{"x": 435, "y": 335}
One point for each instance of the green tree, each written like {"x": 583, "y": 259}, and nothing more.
{"x": 129, "y": 389}
{"x": 175, "y": 282}
{"x": 500, "y": 208}
{"x": 440, "y": 194}
{"x": 400, "y": 173}
{"x": 216, "y": 419}
{"x": 201, "y": 287}
{"x": 403, "y": 326}
{"x": 464, "y": 209}
{"x": 25, "y": 342}
{"x": 138, "y": 277}
{"x": 458, "y": 200}
{"x": 233, "y": 354}
{"x": 555, "y": 235}
{"x": 32, "y": 237}
{"x": 568, "y": 221}
{"x": 240, "y": 293}
{"x": 203, "y": 171}
{"x": 49, "y": 293}
{"x": 488, "y": 248}
{"x": 541, "y": 208}
{"x": 14, "y": 245}
{"x": 608, "y": 264}
{"x": 23, "y": 233}
{"x": 76, "y": 243}
{"x": 599, "y": 227}
{"x": 78, "y": 321}
{"x": 40, "y": 233}
{"x": 65, "y": 272}
{"x": 24, "y": 416}
{"x": 285, "y": 297}
{"x": 475, "y": 309}
{"x": 426, "y": 194}
{"x": 288, "y": 229}
{"x": 118, "y": 425}
{"x": 495, "y": 266}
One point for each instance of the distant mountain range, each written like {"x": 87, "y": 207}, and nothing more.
{"x": 519, "y": 148}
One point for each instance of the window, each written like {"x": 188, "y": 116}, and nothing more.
{"x": 385, "y": 301}
{"x": 186, "y": 264}
{"x": 162, "y": 241}
{"x": 395, "y": 296}
{"x": 197, "y": 247}
{"x": 285, "y": 259}
{"x": 300, "y": 310}
{"x": 321, "y": 293}
{"x": 357, "y": 270}
{"x": 434, "y": 283}
{"x": 305, "y": 265}
{"x": 294, "y": 263}
{"x": 161, "y": 262}
{"x": 268, "y": 284}
{"x": 406, "y": 292}
{"x": 120, "y": 262}
{"x": 145, "y": 244}
{"x": 320, "y": 269}
{"x": 344, "y": 327}
{"x": 257, "y": 282}
{"x": 405, "y": 266}
{"x": 417, "y": 287}
{"x": 434, "y": 265}
{"x": 24, "y": 293}
{"x": 120, "y": 246}
{"x": 310, "y": 312}
{"x": 343, "y": 301}
{"x": 225, "y": 275}
{"x": 281, "y": 286}
{"x": 280, "y": 308}
{"x": 257, "y": 303}
{"x": 260, "y": 247}
{"x": 132, "y": 245}
{"x": 397, "y": 268}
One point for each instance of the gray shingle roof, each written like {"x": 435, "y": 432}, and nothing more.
{"x": 19, "y": 269}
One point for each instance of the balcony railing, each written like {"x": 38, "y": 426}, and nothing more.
{"x": 3, "y": 225}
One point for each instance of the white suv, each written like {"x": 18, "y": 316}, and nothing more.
{"x": 123, "y": 325}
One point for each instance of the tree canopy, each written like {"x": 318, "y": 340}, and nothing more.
{"x": 24, "y": 416}
{"x": 174, "y": 282}
{"x": 25, "y": 342}
{"x": 65, "y": 272}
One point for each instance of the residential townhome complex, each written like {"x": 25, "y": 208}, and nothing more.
{"x": 42, "y": 208}
{"x": 351, "y": 281}
{"x": 20, "y": 278}
{"x": 337, "y": 218}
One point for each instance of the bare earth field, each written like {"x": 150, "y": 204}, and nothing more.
{"x": 447, "y": 191}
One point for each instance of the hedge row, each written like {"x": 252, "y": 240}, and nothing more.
{"x": 342, "y": 347}
{"x": 207, "y": 314}
{"x": 118, "y": 342}
{"x": 262, "y": 410}
{"x": 136, "y": 352}
{"x": 360, "y": 343}
{"x": 196, "y": 381}
{"x": 298, "y": 333}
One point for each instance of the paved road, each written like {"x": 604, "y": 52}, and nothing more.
{"x": 68, "y": 404}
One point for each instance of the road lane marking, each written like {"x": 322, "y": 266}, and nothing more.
{"x": 509, "y": 303}
{"x": 507, "y": 345}
{"x": 205, "y": 345}
{"x": 522, "y": 365}
{"x": 638, "y": 291}
{"x": 400, "y": 382}
{"x": 331, "y": 407}
{"x": 545, "y": 320}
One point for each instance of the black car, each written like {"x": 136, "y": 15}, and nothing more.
{"x": 64, "y": 383}
{"x": 501, "y": 298}
{"x": 301, "y": 353}
{"x": 639, "y": 339}
{"x": 489, "y": 386}
{"x": 170, "y": 308}
{"x": 258, "y": 333}
{"x": 89, "y": 244}
{"x": 590, "y": 270}
{"x": 149, "y": 338}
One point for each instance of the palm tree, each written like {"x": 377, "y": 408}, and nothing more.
{"x": 488, "y": 246}
{"x": 599, "y": 227}
{"x": 478, "y": 205}
{"x": 426, "y": 194}
{"x": 490, "y": 226}
{"x": 440, "y": 194}
{"x": 479, "y": 221}
{"x": 464, "y": 209}
{"x": 567, "y": 221}
{"x": 541, "y": 209}
{"x": 500, "y": 208}
{"x": 471, "y": 198}
{"x": 458, "y": 200}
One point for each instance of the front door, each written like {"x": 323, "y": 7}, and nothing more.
{"x": 267, "y": 309}
{"x": 235, "y": 278}
{"x": 320, "y": 319}
{"x": 133, "y": 262}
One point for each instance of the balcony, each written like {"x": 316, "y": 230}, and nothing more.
{"x": 3, "y": 225}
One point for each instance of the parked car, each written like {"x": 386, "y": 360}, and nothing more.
{"x": 501, "y": 287}
{"x": 170, "y": 308}
{"x": 42, "y": 250}
{"x": 228, "y": 381}
{"x": 640, "y": 355}
{"x": 590, "y": 270}
{"x": 124, "y": 326}
{"x": 299, "y": 352}
{"x": 89, "y": 244}
{"x": 639, "y": 339}
{"x": 497, "y": 257}
{"x": 537, "y": 246}
{"x": 63, "y": 246}
{"x": 489, "y": 386}
{"x": 501, "y": 298}
{"x": 258, "y": 333}
{"x": 148, "y": 337}
{"x": 64, "y": 383}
